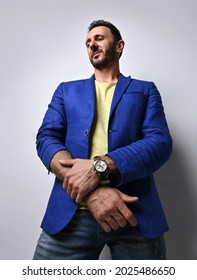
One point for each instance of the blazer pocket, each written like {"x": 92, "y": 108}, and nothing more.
{"x": 134, "y": 92}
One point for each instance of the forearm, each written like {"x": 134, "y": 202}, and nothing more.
{"x": 58, "y": 169}
{"x": 142, "y": 158}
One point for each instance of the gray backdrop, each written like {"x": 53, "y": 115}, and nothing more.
{"x": 41, "y": 45}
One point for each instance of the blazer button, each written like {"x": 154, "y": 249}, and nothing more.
{"x": 86, "y": 133}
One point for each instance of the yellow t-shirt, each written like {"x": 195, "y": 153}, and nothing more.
{"x": 99, "y": 133}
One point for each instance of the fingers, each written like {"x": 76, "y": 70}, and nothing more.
{"x": 127, "y": 198}
{"x": 108, "y": 224}
{"x": 105, "y": 226}
{"x": 112, "y": 223}
{"x": 119, "y": 218}
{"x": 74, "y": 191}
{"x": 80, "y": 179}
{"x": 116, "y": 221}
{"x": 127, "y": 214}
{"x": 123, "y": 209}
{"x": 67, "y": 162}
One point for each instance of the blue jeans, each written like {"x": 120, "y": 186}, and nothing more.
{"x": 84, "y": 239}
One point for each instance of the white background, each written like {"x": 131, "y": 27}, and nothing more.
{"x": 41, "y": 45}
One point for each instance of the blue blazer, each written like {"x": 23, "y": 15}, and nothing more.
{"x": 138, "y": 141}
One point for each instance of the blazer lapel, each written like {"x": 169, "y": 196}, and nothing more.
{"x": 89, "y": 90}
{"x": 122, "y": 85}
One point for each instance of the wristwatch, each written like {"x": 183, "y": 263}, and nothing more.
{"x": 100, "y": 167}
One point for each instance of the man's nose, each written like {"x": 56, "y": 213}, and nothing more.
{"x": 93, "y": 45}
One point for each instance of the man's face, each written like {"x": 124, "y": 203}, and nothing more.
{"x": 101, "y": 47}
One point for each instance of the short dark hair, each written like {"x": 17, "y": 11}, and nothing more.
{"x": 115, "y": 32}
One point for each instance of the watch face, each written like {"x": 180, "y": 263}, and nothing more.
{"x": 101, "y": 166}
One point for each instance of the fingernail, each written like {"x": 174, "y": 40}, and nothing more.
{"x": 135, "y": 223}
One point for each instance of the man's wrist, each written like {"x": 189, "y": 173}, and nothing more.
{"x": 111, "y": 166}
{"x": 55, "y": 167}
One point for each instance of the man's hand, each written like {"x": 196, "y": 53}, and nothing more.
{"x": 56, "y": 168}
{"x": 108, "y": 207}
{"x": 80, "y": 179}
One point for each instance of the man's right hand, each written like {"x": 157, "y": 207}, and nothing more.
{"x": 108, "y": 207}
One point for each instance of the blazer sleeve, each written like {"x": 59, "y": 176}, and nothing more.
{"x": 51, "y": 135}
{"x": 143, "y": 157}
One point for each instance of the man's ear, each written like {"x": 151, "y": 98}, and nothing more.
{"x": 120, "y": 46}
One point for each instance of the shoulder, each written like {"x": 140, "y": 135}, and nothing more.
{"x": 74, "y": 87}
{"x": 74, "y": 83}
{"x": 142, "y": 83}
{"x": 143, "y": 86}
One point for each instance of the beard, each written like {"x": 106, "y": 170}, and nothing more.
{"x": 108, "y": 56}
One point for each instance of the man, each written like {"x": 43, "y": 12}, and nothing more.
{"x": 103, "y": 138}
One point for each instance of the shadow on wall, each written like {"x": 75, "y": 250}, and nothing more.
{"x": 175, "y": 188}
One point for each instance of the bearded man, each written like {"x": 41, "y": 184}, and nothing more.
{"x": 103, "y": 138}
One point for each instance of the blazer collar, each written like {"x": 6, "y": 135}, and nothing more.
{"x": 122, "y": 85}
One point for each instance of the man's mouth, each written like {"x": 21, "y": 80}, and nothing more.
{"x": 96, "y": 54}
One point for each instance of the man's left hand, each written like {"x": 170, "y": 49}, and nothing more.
{"x": 80, "y": 179}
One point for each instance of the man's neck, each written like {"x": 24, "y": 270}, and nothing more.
{"x": 107, "y": 75}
